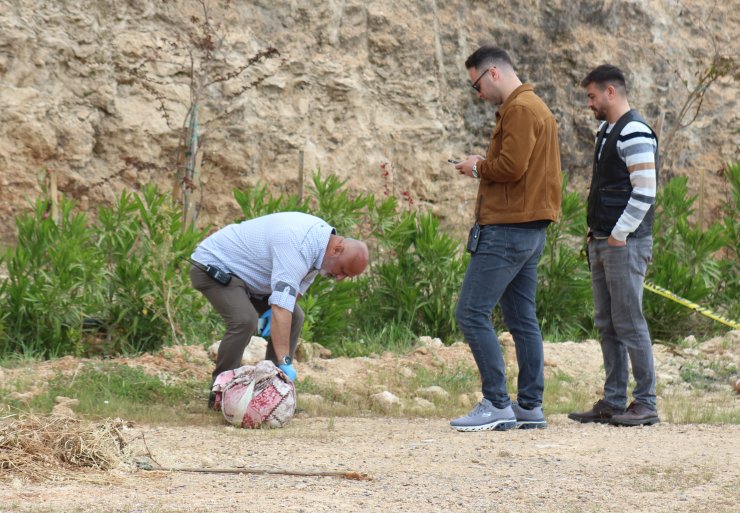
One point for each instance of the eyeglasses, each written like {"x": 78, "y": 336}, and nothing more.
{"x": 475, "y": 85}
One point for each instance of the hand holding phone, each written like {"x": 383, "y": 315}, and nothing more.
{"x": 454, "y": 161}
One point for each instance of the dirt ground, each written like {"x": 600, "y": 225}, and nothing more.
{"x": 416, "y": 465}
{"x": 412, "y": 464}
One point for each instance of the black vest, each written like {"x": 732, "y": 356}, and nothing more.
{"x": 610, "y": 183}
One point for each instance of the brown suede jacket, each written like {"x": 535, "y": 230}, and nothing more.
{"x": 520, "y": 177}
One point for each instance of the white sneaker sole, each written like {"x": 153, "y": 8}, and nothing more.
{"x": 531, "y": 424}
{"x": 498, "y": 425}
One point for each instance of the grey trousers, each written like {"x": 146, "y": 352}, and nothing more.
{"x": 617, "y": 276}
{"x": 240, "y": 312}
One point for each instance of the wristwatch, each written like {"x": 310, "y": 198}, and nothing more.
{"x": 286, "y": 360}
{"x": 475, "y": 170}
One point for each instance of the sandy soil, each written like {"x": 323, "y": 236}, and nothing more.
{"x": 414, "y": 464}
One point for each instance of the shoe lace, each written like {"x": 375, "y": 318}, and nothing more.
{"x": 478, "y": 408}
{"x": 633, "y": 406}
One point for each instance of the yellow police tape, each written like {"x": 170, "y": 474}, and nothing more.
{"x": 688, "y": 304}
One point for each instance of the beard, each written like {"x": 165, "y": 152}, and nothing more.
{"x": 599, "y": 114}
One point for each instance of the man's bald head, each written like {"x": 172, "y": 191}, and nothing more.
{"x": 345, "y": 258}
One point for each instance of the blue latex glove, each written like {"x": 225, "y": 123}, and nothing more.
{"x": 289, "y": 371}
{"x": 267, "y": 316}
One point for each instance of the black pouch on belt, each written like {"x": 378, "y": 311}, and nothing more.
{"x": 214, "y": 272}
{"x": 473, "y": 238}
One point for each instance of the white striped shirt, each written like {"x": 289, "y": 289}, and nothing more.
{"x": 636, "y": 147}
{"x": 277, "y": 255}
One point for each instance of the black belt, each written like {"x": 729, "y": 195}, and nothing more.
{"x": 214, "y": 272}
{"x": 197, "y": 264}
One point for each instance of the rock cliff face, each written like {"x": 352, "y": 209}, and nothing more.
{"x": 357, "y": 83}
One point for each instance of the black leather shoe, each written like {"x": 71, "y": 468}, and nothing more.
{"x": 637, "y": 414}
{"x": 601, "y": 412}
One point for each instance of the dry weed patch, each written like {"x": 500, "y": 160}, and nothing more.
{"x": 53, "y": 447}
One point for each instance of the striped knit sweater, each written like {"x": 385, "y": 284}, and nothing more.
{"x": 636, "y": 147}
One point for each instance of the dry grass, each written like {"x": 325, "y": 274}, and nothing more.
{"x": 51, "y": 447}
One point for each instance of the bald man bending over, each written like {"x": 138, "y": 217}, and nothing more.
{"x": 272, "y": 260}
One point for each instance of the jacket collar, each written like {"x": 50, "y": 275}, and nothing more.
{"x": 516, "y": 92}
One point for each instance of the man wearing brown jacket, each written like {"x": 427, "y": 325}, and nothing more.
{"x": 518, "y": 197}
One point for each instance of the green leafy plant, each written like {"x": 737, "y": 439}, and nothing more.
{"x": 728, "y": 291}
{"x": 417, "y": 278}
{"x": 564, "y": 299}
{"x": 111, "y": 287}
{"x": 684, "y": 262}
{"x": 144, "y": 242}
{"x": 415, "y": 273}
{"x": 51, "y": 270}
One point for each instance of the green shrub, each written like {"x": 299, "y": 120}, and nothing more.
{"x": 413, "y": 279}
{"x": 51, "y": 271}
{"x": 684, "y": 262}
{"x": 728, "y": 290}
{"x": 110, "y": 287}
{"x": 146, "y": 296}
{"x": 416, "y": 278}
{"x": 564, "y": 299}
{"x": 124, "y": 276}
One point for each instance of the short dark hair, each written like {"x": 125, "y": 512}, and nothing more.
{"x": 487, "y": 54}
{"x": 604, "y": 75}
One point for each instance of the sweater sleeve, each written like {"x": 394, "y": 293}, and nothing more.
{"x": 636, "y": 146}
{"x": 519, "y": 136}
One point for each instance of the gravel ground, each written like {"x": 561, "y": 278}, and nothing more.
{"x": 417, "y": 465}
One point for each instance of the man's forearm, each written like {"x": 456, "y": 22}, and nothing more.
{"x": 280, "y": 331}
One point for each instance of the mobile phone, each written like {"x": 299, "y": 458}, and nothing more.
{"x": 454, "y": 161}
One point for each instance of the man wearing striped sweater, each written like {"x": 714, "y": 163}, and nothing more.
{"x": 621, "y": 203}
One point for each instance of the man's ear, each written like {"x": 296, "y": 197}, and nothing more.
{"x": 611, "y": 91}
{"x": 338, "y": 248}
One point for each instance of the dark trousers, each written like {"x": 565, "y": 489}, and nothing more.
{"x": 240, "y": 312}
{"x": 504, "y": 270}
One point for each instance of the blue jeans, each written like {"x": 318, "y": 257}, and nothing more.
{"x": 504, "y": 269}
{"x": 617, "y": 275}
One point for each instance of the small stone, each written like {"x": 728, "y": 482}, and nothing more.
{"x": 506, "y": 339}
{"x": 422, "y": 404}
{"x": 463, "y": 400}
{"x": 406, "y": 372}
{"x": 213, "y": 350}
{"x": 66, "y": 401}
{"x": 433, "y": 391}
{"x": 385, "y": 400}
{"x": 23, "y": 397}
{"x": 308, "y": 351}
{"x": 255, "y": 351}
{"x": 429, "y": 342}
{"x": 62, "y": 410}
{"x": 690, "y": 340}
{"x": 421, "y": 350}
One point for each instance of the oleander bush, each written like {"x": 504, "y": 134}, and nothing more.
{"x": 116, "y": 285}
{"x": 119, "y": 284}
